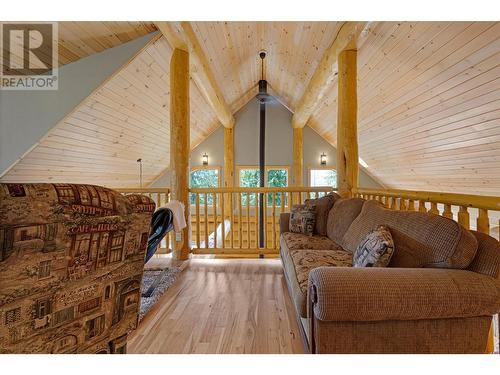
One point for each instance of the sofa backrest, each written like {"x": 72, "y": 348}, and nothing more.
{"x": 420, "y": 239}
{"x": 71, "y": 265}
{"x": 323, "y": 207}
{"x": 340, "y": 217}
{"x": 487, "y": 259}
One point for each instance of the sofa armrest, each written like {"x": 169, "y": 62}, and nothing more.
{"x": 284, "y": 222}
{"x": 374, "y": 294}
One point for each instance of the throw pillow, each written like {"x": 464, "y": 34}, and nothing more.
{"x": 323, "y": 207}
{"x": 375, "y": 250}
{"x": 302, "y": 219}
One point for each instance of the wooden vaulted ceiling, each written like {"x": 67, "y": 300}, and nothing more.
{"x": 428, "y": 93}
{"x": 126, "y": 118}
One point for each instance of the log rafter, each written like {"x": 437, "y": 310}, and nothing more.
{"x": 347, "y": 38}
{"x": 182, "y": 36}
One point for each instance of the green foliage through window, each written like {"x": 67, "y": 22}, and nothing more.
{"x": 203, "y": 178}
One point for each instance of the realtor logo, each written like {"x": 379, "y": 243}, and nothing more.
{"x": 29, "y": 56}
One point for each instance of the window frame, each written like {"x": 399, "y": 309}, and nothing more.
{"x": 218, "y": 168}
{"x": 326, "y": 167}
{"x": 268, "y": 168}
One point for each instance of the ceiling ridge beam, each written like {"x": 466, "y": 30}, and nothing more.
{"x": 326, "y": 71}
{"x": 185, "y": 38}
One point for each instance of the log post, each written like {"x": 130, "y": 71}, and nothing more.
{"x": 229, "y": 163}
{"x": 298, "y": 159}
{"x": 347, "y": 134}
{"x": 180, "y": 144}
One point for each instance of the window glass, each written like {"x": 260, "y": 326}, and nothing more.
{"x": 276, "y": 178}
{"x": 203, "y": 178}
{"x": 323, "y": 177}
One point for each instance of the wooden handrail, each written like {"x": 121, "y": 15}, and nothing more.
{"x": 464, "y": 200}
{"x": 320, "y": 189}
{"x": 143, "y": 190}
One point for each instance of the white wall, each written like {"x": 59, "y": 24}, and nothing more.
{"x": 279, "y": 144}
{"x": 26, "y": 116}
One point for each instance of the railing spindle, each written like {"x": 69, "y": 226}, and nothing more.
{"x": 231, "y": 215}
{"x": 447, "y": 211}
{"x": 214, "y": 204}
{"x": 206, "y": 220}
{"x": 197, "y": 201}
{"x": 223, "y": 221}
{"x": 464, "y": 217}
{"x": 274, "y": 220}
{"x": 240, "y": 239}
{"x": 483, "y": 221}
{"x": 434, "y": 208}
{"x": 421, "y": 206}
{"x": 248, "y": 220}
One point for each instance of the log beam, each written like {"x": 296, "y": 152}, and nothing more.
{"x": 184, "y": 37}
{"x": 347, "y": 134}
{"x": 179, "y": 144}
{"x": 347, "y": 38}
{"x": 298, "y": 158}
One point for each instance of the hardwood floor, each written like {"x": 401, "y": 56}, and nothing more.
{"x": 222, "y": 306}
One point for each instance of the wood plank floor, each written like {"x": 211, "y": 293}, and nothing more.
{"x": 222, "y": 306}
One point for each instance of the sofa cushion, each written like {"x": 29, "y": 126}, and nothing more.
{"x": 297, "y": 265}
{"x": 323, "y": 207}
{"x": 420, "y": 239}
{"x": 375, "y": 250}
{"x": 303, "y": 219}
{"x": 298, "y": 241}
{"x": 487, "y": 259}
{"x": 340, "y": 217}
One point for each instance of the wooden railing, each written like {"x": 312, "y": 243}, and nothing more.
{"x": 481, "y": 213}
{"x": 160, "y": 196}
{"x": 234, "y": 214}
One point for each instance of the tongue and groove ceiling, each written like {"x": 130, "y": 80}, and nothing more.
{"x": 428, "y": 111}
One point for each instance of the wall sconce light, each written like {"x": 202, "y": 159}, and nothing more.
{"x": 204, "y": 159}
{"x": 322, "y": 159}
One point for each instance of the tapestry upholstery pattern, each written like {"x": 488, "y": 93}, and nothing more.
{"x": 71, "y": 264}
{"x": 303, "y": 219}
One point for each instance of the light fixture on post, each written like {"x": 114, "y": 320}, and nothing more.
{"x": 322, "y": 159}
{"x": 204, "y": 159}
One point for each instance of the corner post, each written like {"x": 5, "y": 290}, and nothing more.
{"x": 347, "y": 133}
{"x": 298, "y": 157}
{"x": 180, "y": 144}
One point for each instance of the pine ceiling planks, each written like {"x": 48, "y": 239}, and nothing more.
{"x": 294, "y": 50}
{"x": 428, "y": 106}
{"x": 125, "y": 119}
{"x": 81, "y": 39}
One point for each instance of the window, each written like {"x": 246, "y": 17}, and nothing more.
{"x": 44, "y": 269}
{"x": 89, "y": 305}
{"x": 203, "y": 178}
{"x": 95, "y": 327}
{"x": 62, "y": 316}
{"x": 13, "y": 315}
{"x": 43, "y": 307}
{"x": 275, "y": 177}
{"x": 323, "y": 177}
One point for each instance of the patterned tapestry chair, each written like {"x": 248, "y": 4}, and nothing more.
{"x": 71, "y": 265}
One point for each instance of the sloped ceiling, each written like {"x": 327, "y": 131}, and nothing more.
{"x": 125, "y": 119}
{"x": 428, "y": 106}
{"x": 428, "y": 92}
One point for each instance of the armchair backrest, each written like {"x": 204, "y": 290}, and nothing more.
{"x": 71, "y": 265}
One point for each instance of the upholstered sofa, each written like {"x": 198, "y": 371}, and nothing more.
{"x": 437, "y": 295}
{"x": 71, "y": 265}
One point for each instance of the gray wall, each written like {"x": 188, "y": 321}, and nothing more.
{"x": 279, "y": 144}
{"x": 26, "y": 116}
